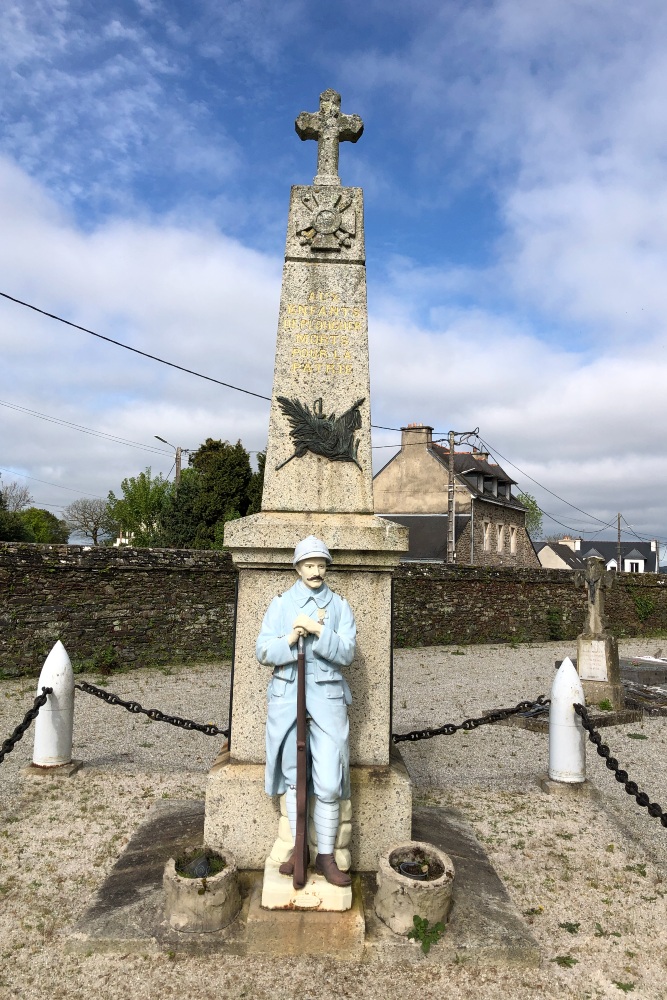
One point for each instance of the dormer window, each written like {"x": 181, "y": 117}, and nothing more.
{"x": 490, "y": 485}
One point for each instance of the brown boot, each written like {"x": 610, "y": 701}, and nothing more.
{"x": 325, "y": 864}
{"x": 287, "y": 867}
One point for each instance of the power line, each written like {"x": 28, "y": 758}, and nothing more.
{"x": 562, "y": 499}
{"x": 57, "y": 485}
{"x": 84, "y": 430}
{"x": 152, "y": 357}
{"x": 135, "y": 350}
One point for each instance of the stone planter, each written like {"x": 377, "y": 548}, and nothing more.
{"x": 400, "y": 897}
{"x": 201, "y": 905}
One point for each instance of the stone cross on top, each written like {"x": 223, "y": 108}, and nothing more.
{"x": 596, "y": 578}
{"x": 330, "y": 128}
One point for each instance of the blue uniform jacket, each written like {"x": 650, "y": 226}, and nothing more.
{"x": 324, "y": 658}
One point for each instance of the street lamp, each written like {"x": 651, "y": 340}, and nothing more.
{"x": 178, "y": 450}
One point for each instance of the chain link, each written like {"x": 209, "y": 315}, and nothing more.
{"x": 486, "y": 720}
{"x": 153, "y": 713}
{"x": 621, "y": 776}
{"x": 28, "y": 719}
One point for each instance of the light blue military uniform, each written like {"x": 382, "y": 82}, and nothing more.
{"x": 327, "y": 691}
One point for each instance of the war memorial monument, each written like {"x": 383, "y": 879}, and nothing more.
{"x": 318, "y": 482}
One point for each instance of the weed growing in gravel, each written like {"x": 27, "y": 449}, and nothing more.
{"x": 602, "y": 933}
{"x": 425, "y": 934}
{"x": 625, "y": 987}
{"x": 569, "y": 927}
{"x": 638, "y": 869}
{"x": 565, "y": 961}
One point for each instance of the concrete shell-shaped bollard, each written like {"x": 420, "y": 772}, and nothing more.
{"x": 567, "y": 739}
{"x": 53, "y": 725}
{"x": 399, "y": 898}
{"x": 200, "y": 906}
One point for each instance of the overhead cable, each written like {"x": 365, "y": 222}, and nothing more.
{"x": 85, "y": 430}
{"x": 135, "y": 350}
{"x": 57, "y": 485}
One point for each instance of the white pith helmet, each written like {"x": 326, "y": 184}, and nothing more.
{"x": 311, "y": 548}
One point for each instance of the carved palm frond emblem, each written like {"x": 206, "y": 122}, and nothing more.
{"x": 330, "y": 436}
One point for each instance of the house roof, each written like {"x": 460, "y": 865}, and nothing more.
{"x": 603, "y": 550}
{"x": 572, "y": 559}
{"x": 629, "y": 550}
{"x": 466, "y": 462}
{"x": 428, "y": 533}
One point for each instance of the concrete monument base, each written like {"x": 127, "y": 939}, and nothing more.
{"x": 599, "y": 671}
{"x": 278, "y": 892}
{"x": 242, "y": 818}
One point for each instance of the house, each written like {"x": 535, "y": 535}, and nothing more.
{"x": 569, "y": 553}
{"x": 490, "y": 523}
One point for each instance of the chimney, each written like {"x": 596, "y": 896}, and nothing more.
{"x": 416, "y": 434}
{"x": 482, "y": 456}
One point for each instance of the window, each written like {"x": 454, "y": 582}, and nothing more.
{"x": 634, "y": 567}
{"x": 513, "y": 541}
{"x": 500, "y": 536}
{"x": 487, "y": 536}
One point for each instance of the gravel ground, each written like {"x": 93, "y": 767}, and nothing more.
{"x": 588, "y": 875}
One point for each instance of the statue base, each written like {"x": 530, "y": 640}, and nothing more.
{"x": 242, "y": 818}
{"x": 598, "y": 668}
{"x": 278, "y": 893}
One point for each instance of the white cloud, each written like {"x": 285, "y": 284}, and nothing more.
{"x": 191, "y": 296}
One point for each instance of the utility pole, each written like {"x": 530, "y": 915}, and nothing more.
{"x": 177, "y": 463}
{"x": 454, "y": 437}
{"x": 618, "y": 547}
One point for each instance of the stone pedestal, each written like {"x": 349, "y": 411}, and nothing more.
{"x": 598, "y": 669}
{"x": 241, "y": 817}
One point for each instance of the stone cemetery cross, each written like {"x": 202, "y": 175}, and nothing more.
{"x": 597, "y": 649}
{"x": 329, "y": 127}
{"x": 596, "y": 578}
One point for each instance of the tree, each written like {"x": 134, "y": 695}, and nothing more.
{"x": 179, "y": 516}
{"x": 140, "y": 509}
{"x": 256, "y": 485}
{"x": 44, "y": 526}
{"x": 219, "y": 486}
{"x": 12, "y": 528}
{"x": 90, "y": 517}
{"x": 16, "y": 496}
{"x": 533, "y": 514}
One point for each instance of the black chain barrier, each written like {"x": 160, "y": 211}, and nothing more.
{"x": 621, "y": 776}
{"x": 152, "y": 713}
{"x": 541, "y": 704}
{"x": 28, "y": 719}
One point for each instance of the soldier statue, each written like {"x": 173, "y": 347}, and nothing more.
{"x": 310, "y": 609}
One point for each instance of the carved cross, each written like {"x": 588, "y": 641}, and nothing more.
{"x": 330, "y": 128}
{"x": 596, "y": 578}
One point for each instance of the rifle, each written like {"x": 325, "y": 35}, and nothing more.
{"x": 301, "y": 839}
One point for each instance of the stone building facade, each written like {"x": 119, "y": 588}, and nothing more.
{"x": 412, "y": 489}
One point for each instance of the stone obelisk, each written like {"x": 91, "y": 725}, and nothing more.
{"x": 318, "y": 480}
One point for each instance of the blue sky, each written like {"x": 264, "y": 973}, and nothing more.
{"x": 513, "y": 165}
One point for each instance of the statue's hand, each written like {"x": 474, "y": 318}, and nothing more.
{"x": 295, "y": 635}
{"x": 307, "y": 624}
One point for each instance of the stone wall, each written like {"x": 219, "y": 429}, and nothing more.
{"x": 150, "y": 606}
{"x": 113, "y": 606}
{"x": 436, "y": 604}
